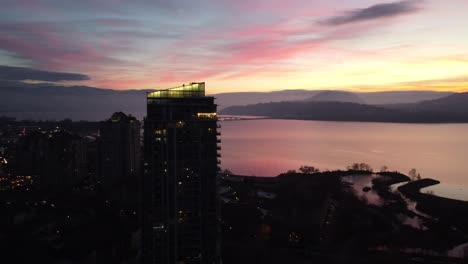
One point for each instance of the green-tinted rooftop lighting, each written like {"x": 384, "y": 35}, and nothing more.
{"x": 190, "y": 90}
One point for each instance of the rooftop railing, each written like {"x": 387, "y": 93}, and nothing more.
{"x": 190, "y": 90}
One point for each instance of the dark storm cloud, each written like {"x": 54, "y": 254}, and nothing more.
{"x": 373, "y": 12}
{"x": 22, "y": 74}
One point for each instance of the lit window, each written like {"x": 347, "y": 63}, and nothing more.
{"x": 207, "y": 115}
{"x": 180, "y": 124}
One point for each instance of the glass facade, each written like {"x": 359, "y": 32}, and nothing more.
{"x": 181, "y": 164}
{"x": 190, "y": 90}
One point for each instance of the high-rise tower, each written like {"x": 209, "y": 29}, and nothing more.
{"x": 119, "y": 155}
{"x": 180, "y": 204}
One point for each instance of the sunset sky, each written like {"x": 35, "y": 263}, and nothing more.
{"x": 243, "y": 45}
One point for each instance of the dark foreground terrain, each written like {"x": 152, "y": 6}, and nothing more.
{"x": 352, "y": 216}
{"x": 318, "y": 217}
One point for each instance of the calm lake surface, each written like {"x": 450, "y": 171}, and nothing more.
{"x": 269, "y": 147}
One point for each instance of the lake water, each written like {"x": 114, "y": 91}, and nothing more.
{"x": 269, "y": 147}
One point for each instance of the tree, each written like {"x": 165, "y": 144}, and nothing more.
{"x": 365, "y": 167}
{"x": 308, "y": 170}
{"x": 414, "y": 175}
{"x": 384, "y": 168}
{"x": 360, "y": 167}
{"x": 226, "y": 172}
{"x": 353, "y": 167}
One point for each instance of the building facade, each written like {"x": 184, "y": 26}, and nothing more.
{"x": 180, "y": 204}
{"x": 57, "y": 157}
{"x": 119, "y": 156}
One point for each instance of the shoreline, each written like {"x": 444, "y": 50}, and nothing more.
{"x": 248, "y": 118}
{"x": 444, "y": 209}
{"x": 392, "y": 217}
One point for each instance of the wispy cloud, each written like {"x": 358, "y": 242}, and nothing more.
{"x": 450, "y": 84}
{"x": 142, "y": 44}
{"x": 377, "y": 11}
{"x": 262, "y": 50}
{"x": 22, "y": 74}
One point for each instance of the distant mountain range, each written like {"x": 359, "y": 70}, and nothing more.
{"x": 453, "y": 108}
{"x": 336, "y": 96}
{"x": 452, "y": 104}
{"x": 47, "y": 101}
{"x": 373, "y": 98}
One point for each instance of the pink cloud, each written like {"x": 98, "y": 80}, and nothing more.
{"x": 283, "y": 31}
{"x": 259, "y": 50}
